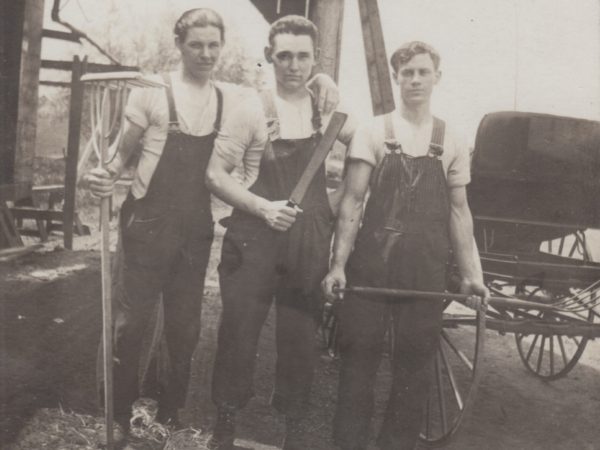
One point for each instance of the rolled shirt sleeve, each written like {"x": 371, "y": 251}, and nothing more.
{"x": 138, "y": 109}
{"x": 242, "y": 138}
{"x": 459, "y": 168}
{"x": 367, "y": 142}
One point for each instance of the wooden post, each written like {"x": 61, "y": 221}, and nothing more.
{"x": 11, "y": 36}
{"x": 75, "y": 109}
{"x": 328, "y": 16}
{"x": 378, "y": 69}
{"x": 28, "y": 91}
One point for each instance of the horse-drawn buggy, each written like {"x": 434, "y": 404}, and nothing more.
{"x": 535, "y": 196}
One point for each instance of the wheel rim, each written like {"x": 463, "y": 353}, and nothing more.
{"x": 456, "y": 374}
{"x": 550, "y": 357}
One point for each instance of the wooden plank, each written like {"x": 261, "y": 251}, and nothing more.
{"x": 380, "y": 83}
{"x": 75, "y": 110}
{"x": 328, "y": 16}
{"x": 48, "y": 188}
{"x": 69, "y": 66}
{"x": 61, "y": 35}
{"x": 29, "y": 212}
{"x": 62, "y": 84}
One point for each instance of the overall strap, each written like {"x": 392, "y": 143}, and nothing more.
{"x": 437, "y": 137}
{"x": 391, "y": 143}
{"x": 173, "y": 121}
{"x": 388, "y": 126}
{"x": 218, "y": 119}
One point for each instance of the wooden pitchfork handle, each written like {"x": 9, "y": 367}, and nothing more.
{"x": 502, "y": 302}
{"x": 107, "y": 325}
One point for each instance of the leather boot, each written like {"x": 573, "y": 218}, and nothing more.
{"x": 224, "y": 431}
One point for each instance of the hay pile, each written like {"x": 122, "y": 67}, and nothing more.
{"x": 188, "y": 439}
{"x": 55, "y": 429}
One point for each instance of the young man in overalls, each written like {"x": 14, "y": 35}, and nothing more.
{"x": 271, "y": 250}
{"x": 416, "y": 171}
{"x": 166, "y": 225}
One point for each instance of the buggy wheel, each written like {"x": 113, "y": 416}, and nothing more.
{"x": 551, "y": 356}
{"x": 456, "y": 374}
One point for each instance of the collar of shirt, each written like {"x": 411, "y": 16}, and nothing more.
{"x": 196, "y": 105}
{"x": 295, "y": 119}
{"x": 414, "y": 139}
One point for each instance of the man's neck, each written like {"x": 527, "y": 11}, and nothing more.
{"x": 417, "y": 114}
{"x": 292, "y": 96}
{"x": 190, "y": 78}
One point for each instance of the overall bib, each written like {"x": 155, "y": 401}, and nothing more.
{"x": 259, "y": 264}
{"x": 403, "y": 244}
{"x": 165, "y": 238}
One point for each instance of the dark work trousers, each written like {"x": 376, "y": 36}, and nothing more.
{"x": 165, "y": 246}
{"x": 259, "y": 265}
{"x": 402, "y": 244}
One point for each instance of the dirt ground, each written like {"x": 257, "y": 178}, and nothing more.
{"x": 50, "y": 325}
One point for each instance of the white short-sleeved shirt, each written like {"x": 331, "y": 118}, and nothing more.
{"x": 243, "y": 136}
{"x": 369, "y": 145}
{"x": 196, "y": 111}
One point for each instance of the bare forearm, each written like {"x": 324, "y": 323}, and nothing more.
{"x": 224, "y": 186}
{"x": 346, "y": 230}
{"x": 463, "y": 246}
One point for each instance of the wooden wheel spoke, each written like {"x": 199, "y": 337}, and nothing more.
{"x": 573, "y": 248}
{"x": 562, "y": 350}
{"x": 453, "y": 384}
{"x": 440, "y": 391}
{"x": 541, "y": 354}
{"x": 551, "y": 355}
{"x": 530, "y": 351}
{"x": 458, "y": 353}
{"x": 561, "y": 245}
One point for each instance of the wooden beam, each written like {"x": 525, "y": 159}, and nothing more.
{"x": 274, "y": 9}
{"x": 30, "y": 212}
{"x": 67, "y": 66}
{"x": 75, "y": 110}
{"x": 62, "y": 84}
{"x": 61, "y": 35}
{"x": 380, "y": 83}
{"x": 328, "y": 16}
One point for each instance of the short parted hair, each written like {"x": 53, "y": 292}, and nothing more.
{"x": 198, "y": 17}
{"x": 407, "y": 51}
{"x": 296, "y": 25}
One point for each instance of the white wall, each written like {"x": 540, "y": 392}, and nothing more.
{"x": 547, "y": 51}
